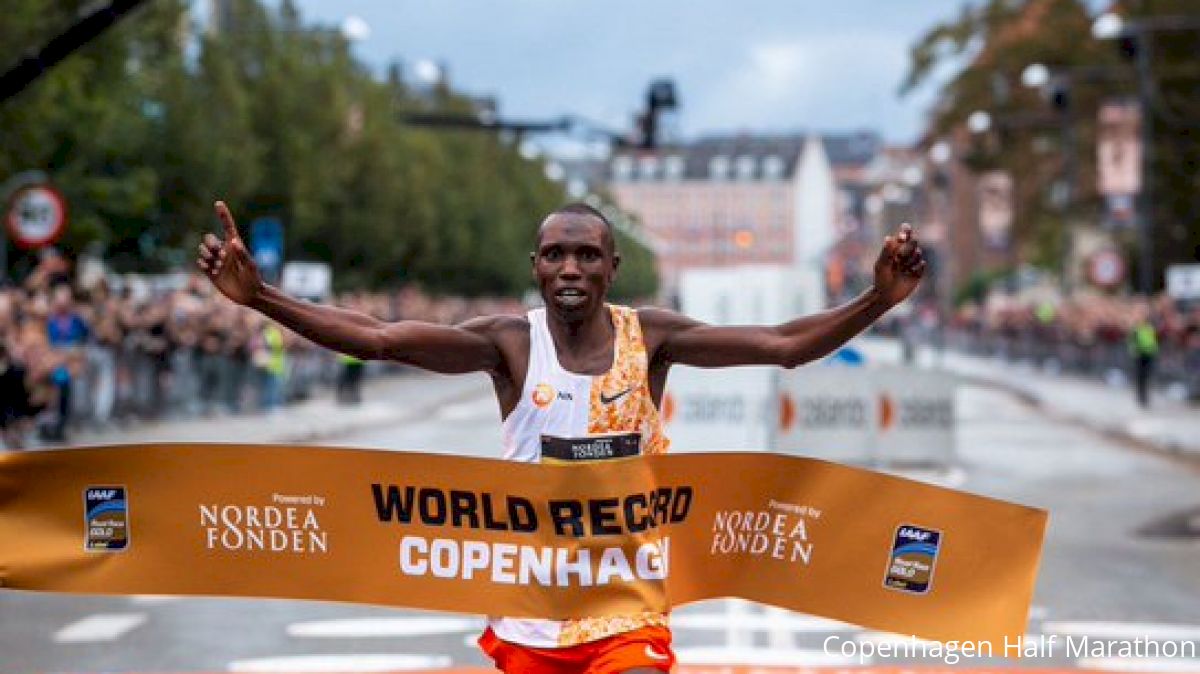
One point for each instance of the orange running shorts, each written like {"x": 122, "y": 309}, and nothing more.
{"x": 645, "y": 647}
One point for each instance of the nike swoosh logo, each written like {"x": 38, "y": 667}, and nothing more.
{"x": 651, "y": 653}
{"x": 605, "y": 400}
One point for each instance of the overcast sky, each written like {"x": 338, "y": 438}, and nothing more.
{"x": 756, "y": 65}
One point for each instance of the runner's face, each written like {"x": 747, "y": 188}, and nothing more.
{"x": 574, "y": 265}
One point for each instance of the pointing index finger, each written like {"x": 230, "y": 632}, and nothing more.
{"x": 231, "y": 231}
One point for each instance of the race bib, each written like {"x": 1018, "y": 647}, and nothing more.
{"x": 590, "y": 448}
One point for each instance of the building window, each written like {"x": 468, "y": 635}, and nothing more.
{"x": 648, "y": 167}
{"x": 673, "y": 167}
{"x": 773, "y": 167}
{"x": 718, "y": 167}
{"x": 622, "y": 167}
{"x": 745, "y": 167}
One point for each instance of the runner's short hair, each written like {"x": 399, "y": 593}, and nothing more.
{"x": 580, "y": 208}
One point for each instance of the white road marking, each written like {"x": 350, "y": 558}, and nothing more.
{"x": 750, "y": 656}
{"x": 152, "y": 599}
{"x": 367, "y": 662}
{"x": 1118, "y": 630}
{"x": 357, "y": 628}
{"x": 99, "y": 627}
{"x": 1189, "y": 665}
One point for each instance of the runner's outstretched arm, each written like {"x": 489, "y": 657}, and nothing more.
{"x": 466, "y": 347}
{"x": 686, "y": 341}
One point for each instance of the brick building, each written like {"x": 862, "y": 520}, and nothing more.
{"x": 732, "y": 200}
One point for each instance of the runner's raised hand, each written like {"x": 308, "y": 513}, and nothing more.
{"x": 228, "y": 264}
{"x": 900, "y": 266}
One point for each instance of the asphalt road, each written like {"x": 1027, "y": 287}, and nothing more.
{"x": 1112, "y": 567}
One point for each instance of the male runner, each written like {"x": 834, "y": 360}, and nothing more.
{"x": 576, "y": 368}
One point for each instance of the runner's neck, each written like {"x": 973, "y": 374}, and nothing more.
{"x": 580, "y": 338}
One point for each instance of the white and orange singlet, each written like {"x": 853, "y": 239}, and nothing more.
{"x": 558, "y": 403}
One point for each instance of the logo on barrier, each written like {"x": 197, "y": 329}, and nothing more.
{"x": 780, "y": 531}
{"x": 887, "y": 412}
{"x": 106, "y": 519}
{"x": 914, "y": 553}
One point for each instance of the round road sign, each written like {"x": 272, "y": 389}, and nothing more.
{"x": 37, "y": 216}
{"x": 1106, "y": 269}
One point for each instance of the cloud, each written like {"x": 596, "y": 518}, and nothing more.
{"x": 776, "y": 69}
{"x": 829, "y": 81}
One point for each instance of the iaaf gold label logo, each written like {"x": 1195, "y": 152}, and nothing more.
{"x": 780, "y": 532}
{"x": 106, "y": 519}
{"x": 914, "y": 554}
{"x": 287, "y": 524}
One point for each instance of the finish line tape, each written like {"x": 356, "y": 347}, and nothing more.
{"x": 501, "y": 538}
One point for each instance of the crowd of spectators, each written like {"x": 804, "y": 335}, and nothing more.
{"x": 1087, "y": 334}
{"x": 115, "y": 352}
{"x": 112, "y": 352}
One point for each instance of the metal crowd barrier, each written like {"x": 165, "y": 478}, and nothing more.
{"x": 126, "y": 384}
{"x": 1103, "y": 358}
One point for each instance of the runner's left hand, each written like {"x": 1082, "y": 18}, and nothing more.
{"x": 900, "y": 266}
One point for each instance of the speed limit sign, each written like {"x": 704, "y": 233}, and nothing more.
{"x": 37, "y": 216}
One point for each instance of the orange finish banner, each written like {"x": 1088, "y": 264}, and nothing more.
{"x": 486, "y": 536}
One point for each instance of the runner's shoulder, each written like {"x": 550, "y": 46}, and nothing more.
{"x": 497, "y": 326}
{"x": 657, "y": 323}
{"x": 658, "y": 319}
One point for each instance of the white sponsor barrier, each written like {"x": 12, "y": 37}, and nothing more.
{"x": 916, "y": 420}
{"x": 827, "y": 412}
{"x": 880, "y": 415}
{"x": 887, "y": 415}
{"x": 713, "y": 410}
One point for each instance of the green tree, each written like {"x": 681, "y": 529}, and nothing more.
{"x": 143, "y": 128}
{"x": 993, "y": 41}
{"x": 90, "y": 123}
{"x": 1035, "y": 135}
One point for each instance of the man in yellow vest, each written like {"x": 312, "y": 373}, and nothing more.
{"x": 1143, "y": 348}
{"x": 270, "y": 357}
{"x": 349, "y": 379}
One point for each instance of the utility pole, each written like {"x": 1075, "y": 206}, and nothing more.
{"x": 1112, "y": 25}
{"x": 1146, "y": 211}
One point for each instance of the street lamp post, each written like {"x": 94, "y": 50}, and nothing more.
{"x": 979, "y": 123}
{"x": 1059, "y": 85}
{"x": 940, "y": 155}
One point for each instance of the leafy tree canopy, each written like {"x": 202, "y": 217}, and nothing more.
{"x": 143, "y": 128}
